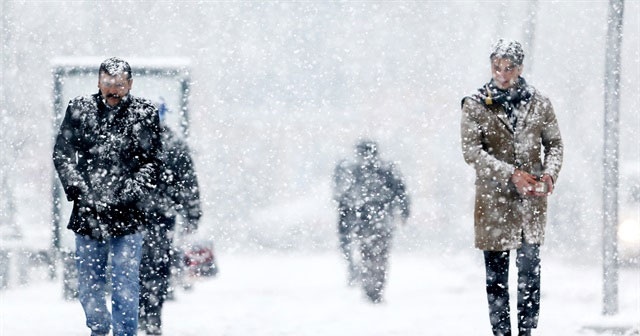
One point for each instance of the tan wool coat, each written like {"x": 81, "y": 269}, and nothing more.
{"x": 502, "y": 218}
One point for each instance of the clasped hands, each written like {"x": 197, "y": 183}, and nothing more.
{"x": 526, "y": 183}
{"x": 88, "y": 203}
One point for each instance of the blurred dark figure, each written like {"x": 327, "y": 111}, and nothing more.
{"x": 370, "y": 192}
{"x": 343, "y": 179}
{"x": 176, "y": 194}
{"x": 106, "y": 155}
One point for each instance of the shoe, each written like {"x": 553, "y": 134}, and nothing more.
{"x": 142, "y": 323}
{"x": 154, "y": 330}
{"x": 153, "y": 326}
{"x": 374, "y": 296}
{"x": 524, "y": 332}
{"x": 95, "y": 333}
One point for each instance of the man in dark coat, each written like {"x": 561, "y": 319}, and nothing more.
{"x": 106, "y": 155}
{"x": 370, "y": 193}
{"x": 510, "y": 136}
{"x": 176, "y": 193}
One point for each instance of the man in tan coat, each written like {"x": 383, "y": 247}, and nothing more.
{"x": 510, "y": 136}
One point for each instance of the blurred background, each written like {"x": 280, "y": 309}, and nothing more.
{"x": 281, "y": 90}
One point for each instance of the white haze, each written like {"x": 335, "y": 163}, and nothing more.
{"x": 285, "y": 294}
{"x": 281, "y": 90}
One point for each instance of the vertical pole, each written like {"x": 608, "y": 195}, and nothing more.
{"x": 55, "y": 186}
{"x": 56, "y": 190}
{"x": 529, "y": 34}
{"x": 184, "y": 103}
{"x": 610, "y": 160}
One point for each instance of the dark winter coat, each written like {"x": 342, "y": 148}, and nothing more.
{"x": 494, "y": 149}
{"x": 177, "y": 190}
{"x": 107, "y": 160}
{"x": 370, "y": 188}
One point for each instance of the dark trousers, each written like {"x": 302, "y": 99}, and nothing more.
{"x": 155, "y": 270}
{"x": 345, "y": 223}
{"x": 375, "y": 231}
{"x": 346, "y": 233}
{"x": 497, "y": 268}
{"x": 375, "y": 243}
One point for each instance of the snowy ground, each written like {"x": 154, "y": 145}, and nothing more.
{"x": 306, "y": 294}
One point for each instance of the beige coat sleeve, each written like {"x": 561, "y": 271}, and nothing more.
{"x": 475, "y": 152}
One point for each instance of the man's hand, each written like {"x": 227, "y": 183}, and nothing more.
{"x": 546, "y": 179}
{"x": 525, "y": 183}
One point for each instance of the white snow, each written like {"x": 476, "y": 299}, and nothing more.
{"x": 279, "y": 91}
{"x": 306, "y": 294}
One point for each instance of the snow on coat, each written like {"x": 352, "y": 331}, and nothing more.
{"x": 177, "y": 190}
{"x": 494, "y": 149}
{"x": 370, "y": 184}
{"x": 107, "y": 160}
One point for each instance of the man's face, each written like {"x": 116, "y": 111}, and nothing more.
{"x": 505, "y": 74}
{"x": 114, "y": 88}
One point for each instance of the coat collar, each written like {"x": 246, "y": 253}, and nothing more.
{"x": 523, "y": 112}
{"x": 502, "y": 116}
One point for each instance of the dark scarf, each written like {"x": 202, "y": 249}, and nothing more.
{"x": 510, "y": 99}
{"x": 110, "y": 112}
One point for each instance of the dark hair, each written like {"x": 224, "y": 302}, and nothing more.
{"x": 367, "y": 147}
{"x": 508, "y": 49}
{"x": 115, "y": 66}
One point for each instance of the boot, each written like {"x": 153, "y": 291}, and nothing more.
{"x": 524, "y": 332}
{"x": 154, "y": 325}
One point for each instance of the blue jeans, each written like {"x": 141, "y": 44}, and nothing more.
{"x": 91, "y": 260}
